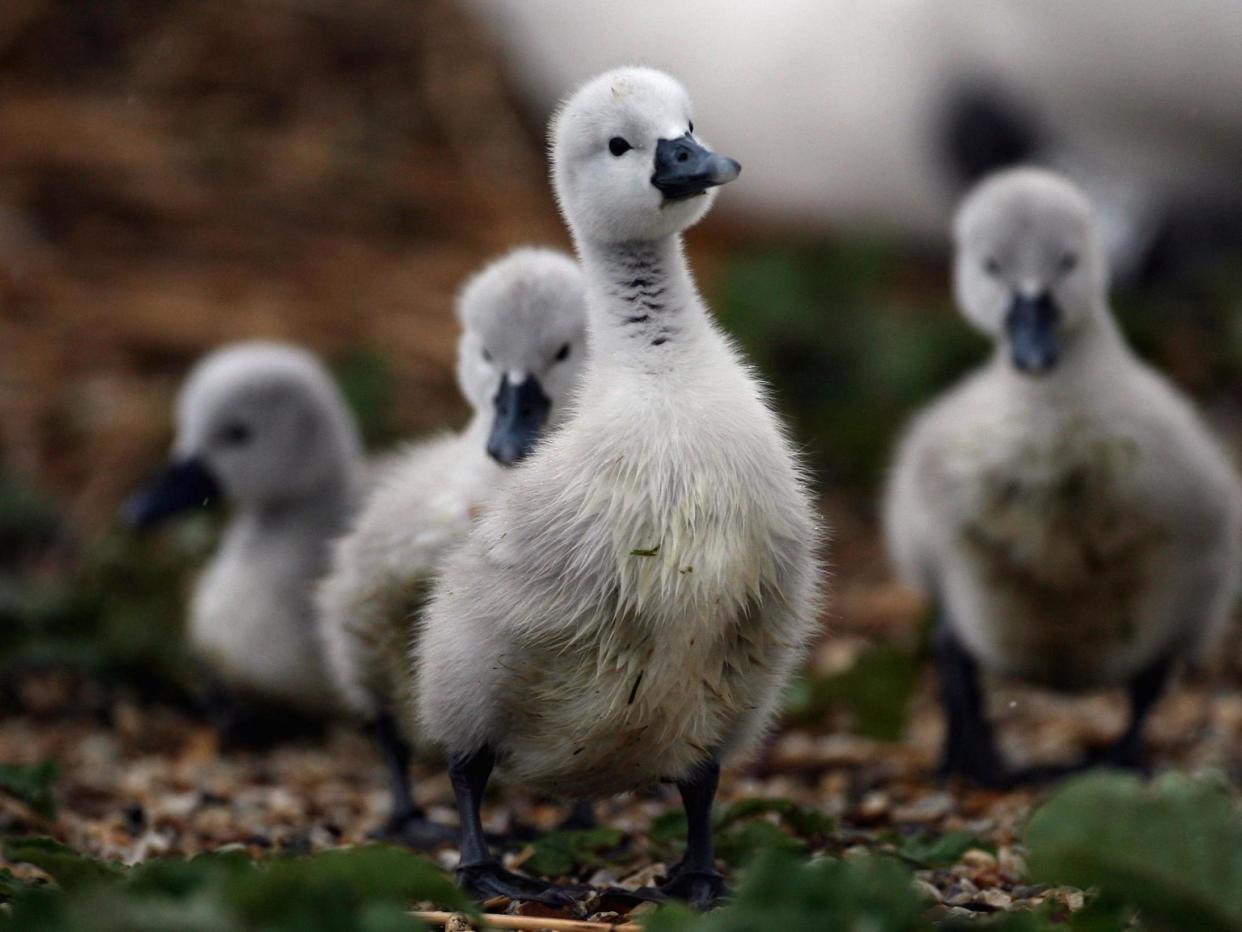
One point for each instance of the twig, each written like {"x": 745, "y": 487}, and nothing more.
{"x": 533, "y": 923}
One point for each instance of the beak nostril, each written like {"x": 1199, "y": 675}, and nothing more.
{"x": 683, "y": 156}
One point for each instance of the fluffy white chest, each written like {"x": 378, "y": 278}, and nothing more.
{"x": 679, "y": 637}
{"x": 251, "y": 621}
{"x": 1057, "y": 545}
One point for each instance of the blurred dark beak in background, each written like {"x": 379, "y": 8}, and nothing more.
{"x": 1032, "y": 328}
{"x": 178, "y": 487}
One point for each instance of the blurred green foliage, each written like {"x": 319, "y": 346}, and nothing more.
{"x": 113, "y": 611}
{"x": 33, "y": 784}
{"x": 558, "y": 854}
{"x": 876, "y": 690}
{"x": 779, "y": 892}
{"x": 369, "y": 384}
{"x": 854, "y": 336}
{"x": 367, "y": 889}
{"x": 29, "y": 523}
{"x": 849, "y": 343}
{"x": 1192, "y": 330}
{"x": 1172, "y": 849}
{"x": 929, "y": 850}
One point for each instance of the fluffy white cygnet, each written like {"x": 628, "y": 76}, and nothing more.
{"x": 521, "y": 353}
{"x": 635, "y": 597}
{"x": 1064, "y": 505}
{"x": 263, "y": 426}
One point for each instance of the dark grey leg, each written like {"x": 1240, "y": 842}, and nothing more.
{"x": 407, "y": 824}
{"x": 396, "y": 755}
{"x": 580, "y": 818}
{"x": 696, "y": 879}
{"x": 970, "y": 746}
{"x": 478, "y": 873}
{"x": 1145, "y": 690}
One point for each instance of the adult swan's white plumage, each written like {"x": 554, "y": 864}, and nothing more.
{"x": 634, "y": 599}
{"x": 1064, "y": 505}
{"x": 521, "y": 351}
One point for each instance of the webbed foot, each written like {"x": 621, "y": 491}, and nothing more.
{"x": 701, "y": 889}
{"x": 488, "y": 879}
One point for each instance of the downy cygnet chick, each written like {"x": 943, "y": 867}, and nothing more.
{"x": 634, "y": 598}
{"x": 263, "y": 426}
{"x": 1064, "y": 506}
{"x": 522, "y": 347}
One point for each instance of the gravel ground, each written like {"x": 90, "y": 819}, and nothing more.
{"x": 142, "y": 781}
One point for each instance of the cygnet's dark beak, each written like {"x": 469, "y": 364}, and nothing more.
{"x": 1033, "y": 324}
{"x": 521, "y": 410}
{"x": 179, "y": 486}
{"x": 683, "y": 168}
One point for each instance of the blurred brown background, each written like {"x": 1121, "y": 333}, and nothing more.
{"x": 177, "y": 174}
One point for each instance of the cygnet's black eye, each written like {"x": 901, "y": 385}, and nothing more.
{"x": 563, "y": 353}
{"x": 618, "y": 146}
{"x": 235, "y": 434}
{"x": 487, "y": 357}
{"x": 991, "y": 266}
{"x": 1068, "y": 263}
{"x": 692, "y": 127}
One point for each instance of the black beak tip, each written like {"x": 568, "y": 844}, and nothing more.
{"x": 507, "y": 454}
{"x": 1036, "y": 367}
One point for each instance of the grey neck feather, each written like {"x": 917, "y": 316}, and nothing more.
{"x": 643, "y": 305}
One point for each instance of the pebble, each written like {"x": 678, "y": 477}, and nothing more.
{"x": 644, "y": 878}
{"x": 979, "y": 859}
{"x": 873, "y": 806}
{"x": 603, "y": 878}
{"x": 931, "y": 808}
{"x": 1011, "y": 862}
{"x": 997, "y": 899}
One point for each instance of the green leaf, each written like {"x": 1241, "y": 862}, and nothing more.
{"x": 10, "y": 885}
{"x": 805, "y": 821}
{"x": 326, "y": 889}
{"x": 645, "y": 551}
{"x": 367, "y": 889}
{"x": 560, "y": 853}
{"x": 1026, "y": 921}
{"x": 741, "y": 843}
{"x": 940, "y": 850}
{"x": 67, "y": 867}
{"x": 779, "y": 892}
{"x": 32, "y": 784}
{"x": 876, "y": 689}
{"x": 1172, "y": 849}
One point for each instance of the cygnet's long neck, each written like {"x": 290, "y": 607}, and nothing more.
{"x": 324, "y": 510}
{"x": 643, "y": 308}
